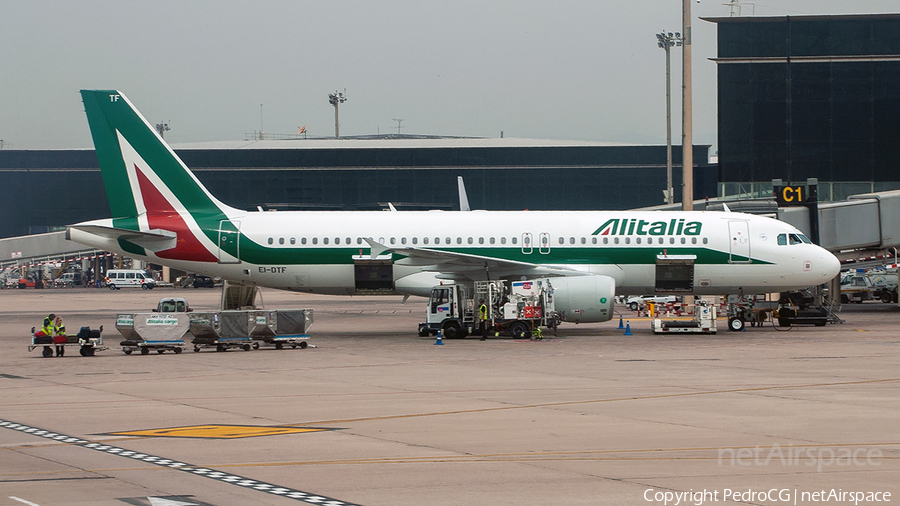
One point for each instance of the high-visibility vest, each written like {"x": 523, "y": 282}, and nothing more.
{"x": 48, "y": 327}
{"x": 483, "y": 311}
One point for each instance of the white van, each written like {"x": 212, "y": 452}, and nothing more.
{"x": 125, "y": 278}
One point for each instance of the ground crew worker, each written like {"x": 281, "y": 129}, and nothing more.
{"x": 59, "y": 336}
{"x": 47, "y": 328}
{"x": 482, "y": 316}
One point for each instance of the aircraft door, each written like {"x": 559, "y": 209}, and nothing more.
{"x": 739, "y": 241}
{"x": 229, "y": 242}
{"x": 545, "y": 243}
{"x": 527, "y": 247}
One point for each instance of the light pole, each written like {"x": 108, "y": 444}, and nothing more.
{"x": 665, "y": 40}
{"x": 687, "y": 128}
{"x": 335, "y": 99}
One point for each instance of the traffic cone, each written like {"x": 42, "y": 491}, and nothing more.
{"x": 620, "y": 322}
{"x": 628, "y": 330}
{"x": 439, "y": 341}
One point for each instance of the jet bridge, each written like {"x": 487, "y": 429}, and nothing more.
{"x": 862, "y": 231}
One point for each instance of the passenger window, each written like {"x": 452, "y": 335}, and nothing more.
{"x": 583, "y": 240}
{"x": 683, "y": 240}
{"x": 514, "y": 239}
{"x": 348, "y": 241}
{"x": 293, "y": 240}
{"x": 281, "y": 240}
{"x": 628, "y": 240}
{"x": 315, "y": 240}
{"x": 129, "y": 275}
{"x": 693, "y": 240}
{"x": 616, "y": 240}
{"x": 481, "y": 240}
{"x": 415, "y": 240}
{"x": 637, "y": 240}
{"x": 671, "y": 240}
{"x": 593, "y": 240}
{"x": 606, "y": 240}
{"x": 303, "y": 240}
{"x": 271, "y": 240}
{"x": 403, "y": 240}
{"x": 393, "y": 240}
{"x": 459, "y": 240}
{"x": 571, "y": 240}
{"x": 470, "y": 240}
{"x": 705, "y": 240}
{"x": 492, "y": 240}
{"x": 562, "y": 240}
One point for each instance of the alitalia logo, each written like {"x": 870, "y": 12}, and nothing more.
{"x": 631, "y": 226}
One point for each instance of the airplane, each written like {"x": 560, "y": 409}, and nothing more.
{"x": 162, "y": 214}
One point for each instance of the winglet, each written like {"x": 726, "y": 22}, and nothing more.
{"x": 463, "y": 199}
{"x": 377, "y": 247}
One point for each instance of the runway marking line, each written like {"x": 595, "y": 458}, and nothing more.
{"x": 216, "y": 431}
{"x": 213, "y": 474}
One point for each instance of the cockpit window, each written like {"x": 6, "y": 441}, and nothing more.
{"x": 782, "y": 239}
{"x": 805, "y": 239}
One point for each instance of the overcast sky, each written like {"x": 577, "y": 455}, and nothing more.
{"x": 587, "y": 70}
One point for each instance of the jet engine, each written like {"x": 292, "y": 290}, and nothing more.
{"x": 583, "y": 299}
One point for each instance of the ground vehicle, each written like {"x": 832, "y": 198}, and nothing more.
{"x": 125, "y": 278}
{"x": 68, "y": 279}
{"x": 634, "y": 302}
{"x": 201, "y": 281}
{"x": 516, "y": 307}
{"x": 172, "y": 305}
{"x": 875, "y": 285}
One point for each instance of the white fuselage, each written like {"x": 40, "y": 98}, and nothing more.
{"x": 315, "y": 251}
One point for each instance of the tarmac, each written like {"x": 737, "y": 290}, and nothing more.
{"x": 375, "y": 415}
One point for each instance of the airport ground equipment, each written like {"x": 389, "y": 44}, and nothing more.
{"x": 223, "y": 330}
{"x": 146, "y": 332}
{"x": 89, "y": 342}
{"x": 281, "y": 327}
{"x": 517, "y": 308}
{"x": 799, "y": 308}
{"x": 874, "y": 285}
{"x": 704, "y": 321}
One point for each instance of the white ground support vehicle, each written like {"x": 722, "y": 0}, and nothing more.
{"x": 514, "y": 307}
{"x": 128, "y": 278}
{"x": 704, "y": 321}
{"x": 877, "y": 285}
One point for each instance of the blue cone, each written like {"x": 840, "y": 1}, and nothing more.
{"x": 439, "y": 341}
{"x": 628, "y": 330}
{"x": 620, "y": 322}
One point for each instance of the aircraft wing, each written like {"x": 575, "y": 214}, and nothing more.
{"x": 465, "y": 264}
{"x": 154, "y": 240}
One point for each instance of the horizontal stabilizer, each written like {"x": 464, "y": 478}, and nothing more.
{"x": 153, "y": 240}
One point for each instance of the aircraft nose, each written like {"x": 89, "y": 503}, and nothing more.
{"x": 829, "y": 265}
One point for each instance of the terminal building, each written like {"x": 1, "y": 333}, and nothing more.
{"x": 809, "y": 97}
{"x": 47, "y": 190}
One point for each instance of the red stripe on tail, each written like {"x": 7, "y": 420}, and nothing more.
{"x": 161, "y": 214}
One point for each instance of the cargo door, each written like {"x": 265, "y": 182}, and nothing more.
{"x": 739, "y": 241}
{"x": 229, "y": 242}
{"x": 675, "y": 274}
